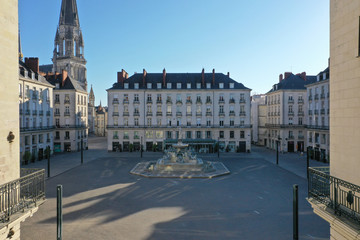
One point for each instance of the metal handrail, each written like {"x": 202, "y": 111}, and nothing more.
{"x": 341, "y": 196}
{"x": 22, "y": 192}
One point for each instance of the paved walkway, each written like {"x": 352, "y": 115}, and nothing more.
{"x": 103, "y": 201}
{"x": 62, "y": 162}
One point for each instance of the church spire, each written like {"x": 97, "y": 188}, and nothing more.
{"x": 20, "y": 50}
{"x": 69, "y": 14}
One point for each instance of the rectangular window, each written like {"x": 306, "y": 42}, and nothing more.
{"x": 208, "y": 134}
{"x": 221, "y": 85}
{"x": 188, "y": 134}
{"x": 221, "y": 134}
{"x": 232, "y": 134}
{"x": 126, "y": 85}
{"x": 198, "y": 85}
{"x": 169, "y": 134}
{"x": 136, "y": 86}
{"x": 242, "y": 134}
{"x": 178, "y": 85}
{"x": 231, "y": 85}
{"x": 169, "y": 85}
{"x": 149, "y": 85}
{"x": 198, "y": 134}
{"x": 159, "y": 86}
{"x": 188, "y": 85}
{"x": 208, "y": 85}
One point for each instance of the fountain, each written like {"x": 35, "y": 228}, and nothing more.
{"x": 179, "y": 161}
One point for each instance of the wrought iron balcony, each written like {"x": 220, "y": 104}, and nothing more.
{"x": 317, "y": 127}
{"x": 221, "y": 101}
{"x": 188, "y": 101}
{"x": 178, "y": 114}
{"x": 115, "y": 114}
{"x": 242, "y": 114}
{"x": 136, "y": 101}
{"x": 242, "y": 100}
{"x": 322, "y": 96}
{"x": 32, "y": 129}
{"x": 34, "y": 112}
{"x": 341, "y": 196}
{"x": 198, "y": 114}
{"x": 316, "y": 96}
{"x": 179, "y": 102}
{"x": 291, "y": 113}
{"x": 222, "y": 114}
{"x": 198, "y": 101}
{"x": 189, "y": 114}
{"x": 231, "y": 113}
{"x": 149, "y": 101}
{"x": 67, "y": 101}
{"x": 159, "y": 114}
{"x": 300, "y": 137}
{"x": 300, "y": 100}
{"x": 232, "y": 100}
{"x": 125, "y": 101}
{"x": 168, "y": 101}
{"x": 208, "y": 114}
{"x": 291, "y": 101}
{"x": 208, "y": 101}
{"x": 57, "y": 101}
{"x": 316, "y": 112}
{"x": 300, "y": 113}
{"x": 136, "y": 114}
{"x": 310, "y": 98}
{"x": 310, "y": 112}
{"x": 149, "y": 114}
{"x": 41, "y": 112}
{"x": 322, "y": 111}
{"x": 115, "y": 101}
{"x": 24, "y": 192}
{"x": 168, "y": 114}
{"x": 158, "y": 101}
{"x": 66, "y": 113}
{"x": 126, "y": 114}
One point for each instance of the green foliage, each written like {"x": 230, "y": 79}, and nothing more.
{"x": 27, "y": 157}
{"x": 154, "y": 147}
{"x": 131, "y": 147}
{"x": 47, "y": 152}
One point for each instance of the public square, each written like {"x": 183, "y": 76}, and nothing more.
{"x": 102, "y": 199}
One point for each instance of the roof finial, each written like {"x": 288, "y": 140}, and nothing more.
{"x": 20, "y": 50}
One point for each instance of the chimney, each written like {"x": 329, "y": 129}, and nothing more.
{"x": 213, "y": 77}
{"x": 164, "y": 77}
{"x": 287, "y": 74}
{"x": 33, "y": 64}
{"x": 144, "y": 77}
{"x": 228, "y": 74}
{"x": 121, "y": 76}
{"x": 64, "y": 74}
{"x": 303, "y": 75}
{"x": 203, "y": 77}
{"x": 280, "y": 77}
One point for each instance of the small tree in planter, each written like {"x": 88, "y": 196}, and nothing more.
{"x": 33, "y": 157}
{"x": 154, "y": 147}
{"x": 131, "y": 147}
{"x": 26, "y": 157}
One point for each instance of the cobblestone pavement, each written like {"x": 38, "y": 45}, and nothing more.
{"x": 103, "y": 201}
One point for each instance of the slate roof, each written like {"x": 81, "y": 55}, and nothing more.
{"x": 182, "y": 78}
{"x": 46, "y": 68}
{"x": 69, "y": 13}
{"x": 38, "y": 77}
{"x": 293, "y": 82}
{"x": 320, "y": 76}
{"x": 68, "y": 84}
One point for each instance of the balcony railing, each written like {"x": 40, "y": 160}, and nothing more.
{"x": 168, "y": 101}
{"x": 291, "y": 101}
{"x": 148, "y": 114}
{"x": 178, "y": 101}
{"x": 222, "y": 114}
{"x": 189, "y": 114}
{"x": 198, "y": 114}
{"x": 269, "y": 125}
{"x": 231, "y": 113}
{"x": 158, "y": 101}
{"x": 126, "y": 114}
{"x": 300, "y": 100}
{"x": 310, "y": 112}
{"x": 115, "y": 114}
{"x": 67, "y": 101}
{"x": 41, "y": 112}
{"x": 341, "y": 196}
{"x": 316, "y": 111}
{"x": 34, "y": 112}
{"x": 316, "y": 96}
{"x": 317, "y": 127}
{"x": 232, "y": 100}
{"x": 242, "y": 114}
{"x": 66, "y": 113}
{"x": 115, "y": 101}
{"x": 125, "y": 101}
{"x": 310, "y": 98}
{"x": 32, "y": 129}
{"x": 322, "y": 111}
{"x": 24, "y": 192}
{"x": 47, "y": 113}
{"x": 136, "y": 102}
{"x": 188, "y": 101}
{"x": 242, "y": 100}
{"x": 168, "y": 114}
{"x": 208, "y": 101}
{"x": 72, "y": 126}
{"x": 221, "y": 101}
{"x": 159, "y": 114}
{"x": 198, "y": 101}
{"x": 322, "y": 96}
{"x": 208, "y": 114}
{"x": 178, "y": 114}
{"x": 300, "y": 113}
{"x": 136, "y": 114}
{"x": 149, "y": 101}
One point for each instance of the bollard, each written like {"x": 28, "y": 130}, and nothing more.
{"x": 59, "y": 218}
{"x": 82, "y": 151}
{"x": 277, "y": 152}
{"x": 295, "y": 213}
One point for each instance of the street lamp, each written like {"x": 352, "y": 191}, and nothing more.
{"x": 277, "y": 150}
{"x": 218, "y": 148}
{"x": 307, "y": 162}
{"x": 82, "y": 153}
{"x": 141, "y": 147}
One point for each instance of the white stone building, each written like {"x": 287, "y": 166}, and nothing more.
{"x": 70, "y": 113}
{"x": 35, "y": 108}
{"x": 258, "y": 119}
{"x": 287, "y": 113}
{"x": 318, "y": 116}
{"x": 101, "y": 115}
{"x": 154, "y": 108}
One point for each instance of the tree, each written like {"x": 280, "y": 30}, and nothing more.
{"x": 26, "y": 157}
{"x": 47, "y": 152}
{"x": 131, "y": 147}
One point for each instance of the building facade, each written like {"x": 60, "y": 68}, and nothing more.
{"x": 36, "y": 109}
{"x": 258, "y": 119}
{"x": 156, "y": 109}
{"x": 101, "y": 115}
{"x": 318, "y": 117}
{"x": 70, "y": 113}
{"x": 334, "y": 193}
{"x": 287, "y": 113}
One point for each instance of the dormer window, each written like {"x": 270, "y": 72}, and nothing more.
{"x": 178, "y": 85}
{"x": 159, "y": 86}
{"x": 149, "y": 85}
{"x": 231, "y": 85}
{"x": 188, "y": 85}
{"x": 136, "y": 86}
{"x": 221, "y": 85}
{"x": 198, "y": 85}
{"x": 317, "y": 78}
{"x": 126, "y": 85}
{"x": 208, "y": 85}
{"x": 168, "y": 85}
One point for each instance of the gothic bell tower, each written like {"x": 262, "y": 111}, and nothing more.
{"x": 69, "y": 44}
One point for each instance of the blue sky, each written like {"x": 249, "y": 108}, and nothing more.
{"x": 253, "y": 40}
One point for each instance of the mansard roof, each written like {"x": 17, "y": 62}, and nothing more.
{"x": 293, "y": 82}
{"x": 69, "y": 13}
{"x": 68, "y": 84}
{"x": 182, "y": 78}
{"x": 26, "y": 72}
{"x": 322, "y": 76}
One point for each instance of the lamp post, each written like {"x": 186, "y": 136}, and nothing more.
{"x": 141, "y": 147}
{"x": 295, "y": 212}
{"x": 277, "y": 151}
{"x": 82, "y": 153}
{"x": 307, "y": 162}
{"x": 218, "y": 145}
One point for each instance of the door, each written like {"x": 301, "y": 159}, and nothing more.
{"x": 290, "y": 146}
{"x": 242, "y": 146}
